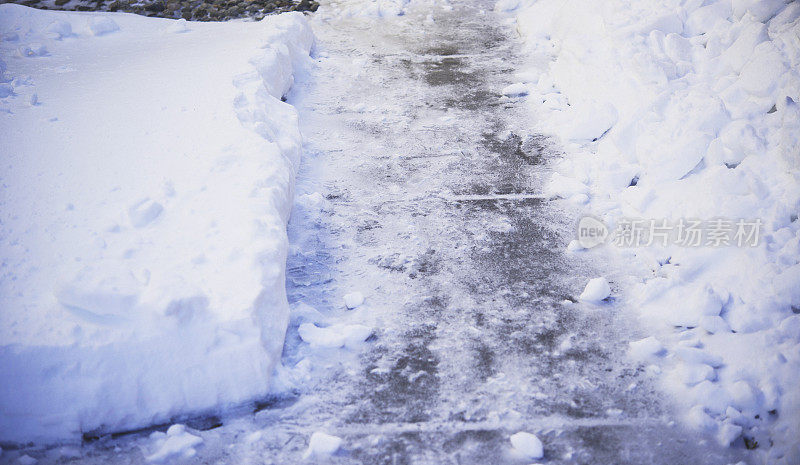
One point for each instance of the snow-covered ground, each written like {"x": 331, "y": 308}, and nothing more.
{"x": 147, "y": 174}
{"x": 433, "y": 312}
{"x": 368, "y": 9}
{"x": 686, "y": 111}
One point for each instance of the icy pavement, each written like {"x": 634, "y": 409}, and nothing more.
{"x": 433, "y": 212}
{"x": 420, "y": 190}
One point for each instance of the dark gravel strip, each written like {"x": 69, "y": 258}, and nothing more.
{"x": 192, "y": 10}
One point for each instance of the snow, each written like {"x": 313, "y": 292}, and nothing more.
{"x": 368, "y": 8}
{"x": 678, "y": 109}
{"x": 178, "y": 27}
{"x": 692, "y": 374}
{"x": 32, "y": 50}
{"x": 376, "y": 9}
{"x": 68, "y": 452}
{"x": 693, "y": 355}
{"x": 527, "y": 445}
{"x": 518, "y": 89}
{"x": 698, "y": 419}
{"x": 596, "y": 290}
{"x": 313, "y": 202}
{"x": 143, "y": 216}
{"x": 335, "y": 336}
{"x": 646, "y": 348}
{"x": 322, "y": 445}
{"x": 101, "y": 25}
{"x": 26, "y": 460}
{"x": 59, "y": 29}
{"x": 176, "y": 443}
{"x": 728, "y": 433}
{"x": 353, "y": 299}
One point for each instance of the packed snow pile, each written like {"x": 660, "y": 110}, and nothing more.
{"x": 680, "y": 120}
{"x": 147, "y": 178}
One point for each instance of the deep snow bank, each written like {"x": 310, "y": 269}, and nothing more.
{"x": 147, "y": 178}
{"x": 688, "y": 109}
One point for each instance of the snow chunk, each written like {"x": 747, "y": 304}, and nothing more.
{"x": 335, "y": 336}
{"x": 588, "y": 122}
{"x": 714, "y": 324}
{"x": 694, "y": 355}
{"x": 565, "y": 187}
{"x": 506, "y": 5}
{"x": 518, "y": 89}
{"x": 705, "y": 18}
{"x": 728, "y": 433}
{"x": 698, "y": 419}
{"x": 646, "y": 348}
{"x": 102, "y": 25}
{"x": 322, "y": 445}
{"x": 575, "y": 246}
{"x": 761, "y": 10}
{"x": 711, "y": 396}
{"x": 353, "y": 300}
{"x": 69, "y": 452}
{"x": 26, "y": 460}
{"x": 527, "y": 445}
{"x": 763, "y": 73}
{"x": 59, "y": 29}
{"x": 596, "y": 290}
{"x": 303, "y": 313}
{"x": 745, "y": 397}
{"x": 32, "y": 50}
{"x": 313, "y": 202}
{"x": 178, "y": 26}
{"x": 177, "y": 443}
{"x": 692, "y": 374}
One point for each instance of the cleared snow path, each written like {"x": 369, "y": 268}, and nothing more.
{"x": 433, "y": 212}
